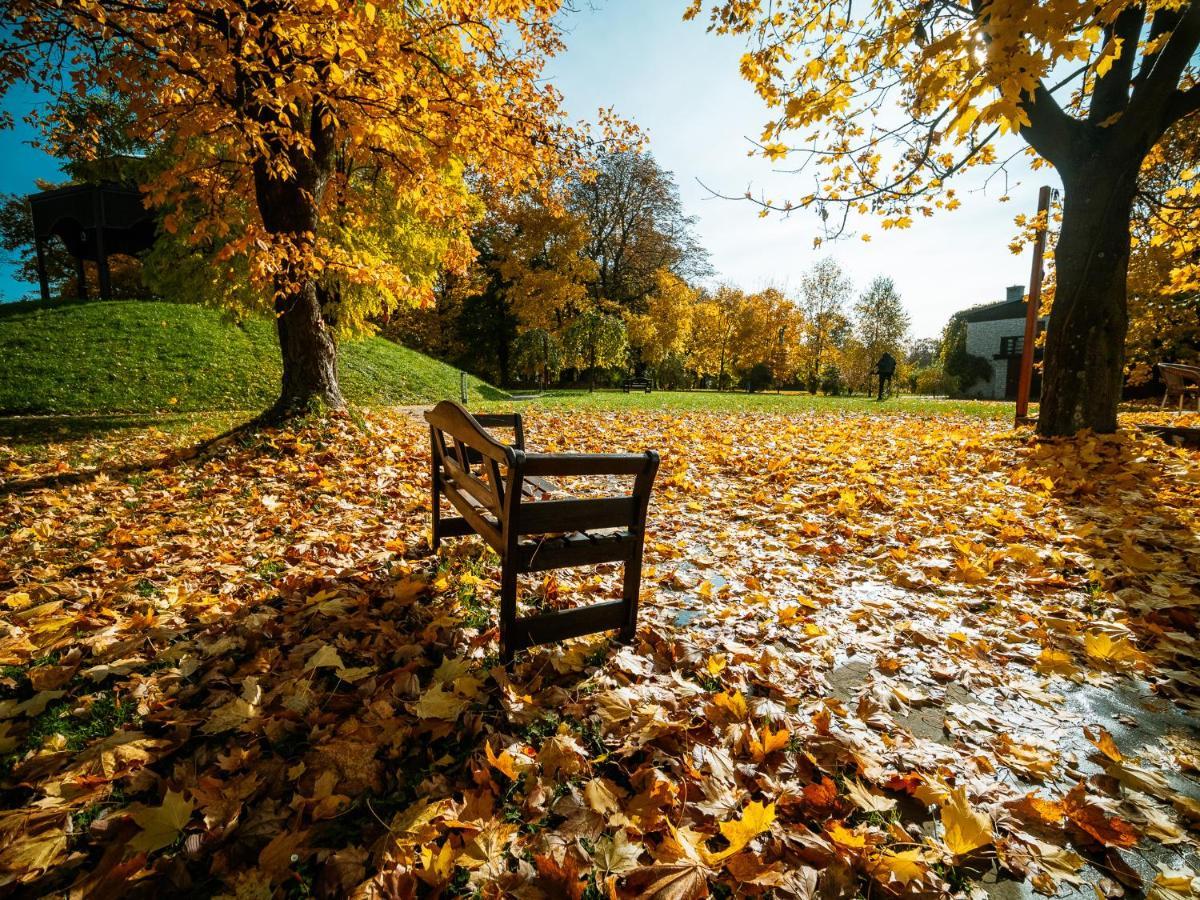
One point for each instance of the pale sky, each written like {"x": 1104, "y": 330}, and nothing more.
{"x": 682, "y": 86}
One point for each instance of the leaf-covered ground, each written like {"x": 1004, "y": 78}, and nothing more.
{"x": 877, "y": 656}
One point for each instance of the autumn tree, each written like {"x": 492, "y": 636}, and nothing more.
{"x": 530, "y": 273}
{"x": 1092, "y": 88}
{"x": 881, "y": 326}
{"x": 270, "y": 111}
{"x": 595, "y": 339}
{"x": 1164, "y": 269}
{"x": 537, "y": 355}
{"x": 824, "y": 291}
{"x": 636, "y": 227}
{"x": 713, "y": 328}
{"x": 665, "y": 326}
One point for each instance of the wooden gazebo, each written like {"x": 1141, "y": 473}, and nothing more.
{"x": 94, "y": 221}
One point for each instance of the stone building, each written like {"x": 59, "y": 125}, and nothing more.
{"x": 996, "y": 332}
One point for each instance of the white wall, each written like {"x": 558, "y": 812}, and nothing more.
{"x": 983, "y": 339}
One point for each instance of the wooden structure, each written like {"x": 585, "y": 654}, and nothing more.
{"x": 637, "y": 384}
{"x": 94, "y": 221}
{"x": 1182, "y": 382}
{"x": 1033, "y": 309}
{"x": 500, "y": 492}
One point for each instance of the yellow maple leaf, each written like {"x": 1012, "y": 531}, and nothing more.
{"x": 439, "y": 703}
{"x": 900, "y": 868}
{"x": 762, "y": 746}
{"x": 756, "y": 818}
{"x": 161, "y": 824}
{"x": 964, "y": 829}
{"x": 325, "y": 657}
{"x": 1104, "y": 647}
{"x": 734, "y": 704}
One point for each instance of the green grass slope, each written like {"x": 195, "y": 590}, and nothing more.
{"x": 141, "y": 356}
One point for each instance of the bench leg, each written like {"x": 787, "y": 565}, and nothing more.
{"x": 508, "y": 611}
{"x": 630, "y": 591}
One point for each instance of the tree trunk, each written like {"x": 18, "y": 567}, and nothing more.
{"x": 309, "y": 355}
{"x": 289, "y": 208}
{"x": 1085, "y": 340}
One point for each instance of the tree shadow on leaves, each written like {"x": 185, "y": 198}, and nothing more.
{"x": 33, "y": 431}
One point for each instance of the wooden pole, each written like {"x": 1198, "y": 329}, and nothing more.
{"x": 1033, "y": 308}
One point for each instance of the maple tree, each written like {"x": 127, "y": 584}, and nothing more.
{"x": 891, "y": 103}
{"x": 594, "y": 340}
{"x": 665, "y": 326}
{"x": 286, "y": 129}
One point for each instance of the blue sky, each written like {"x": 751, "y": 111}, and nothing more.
{"x": 682, "y": 86}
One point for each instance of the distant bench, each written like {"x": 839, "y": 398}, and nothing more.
{"x": 499, "y": 492}
{"x": 637, "y": 384}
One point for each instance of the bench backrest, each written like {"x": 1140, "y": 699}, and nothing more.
{"x": 474, "y": 468}
{"x": 1178, "y": 376}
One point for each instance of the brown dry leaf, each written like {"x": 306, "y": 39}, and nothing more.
{"x": 29, "y": 855}
{"x": 1086, "y": 814}
{"x": 616, "y": 855}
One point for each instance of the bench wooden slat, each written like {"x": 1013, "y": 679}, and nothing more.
{"x": 485, "y": 529}
{"x": 465, "y": 481}
{"x": 577, "y": 550}
{"x": 543, "y": 516}
{"x": 567, "y": 623}
{"x": 584, "y": 463}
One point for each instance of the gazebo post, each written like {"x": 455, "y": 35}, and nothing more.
{"x": 101, "y": 252}
{"x": 43, "y": 279}
{"x": 81, "y": 277}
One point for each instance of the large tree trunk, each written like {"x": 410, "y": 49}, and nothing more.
{"x": 309, "y": 355}
{"x": 289, "y": 209}
{"x": 1085, "y": 341}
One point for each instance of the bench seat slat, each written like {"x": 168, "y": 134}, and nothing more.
{"x": 567, "y": 623}
{"x": 576, "y": 550}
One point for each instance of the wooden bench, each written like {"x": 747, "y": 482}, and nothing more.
{"x": 501, "y": 493}
{"x": 636, "y": 384}
{"x": 1181, "y": 381}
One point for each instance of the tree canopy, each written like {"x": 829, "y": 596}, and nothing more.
{"x": 883, "y": 104}
{"x": 287, "y": 128}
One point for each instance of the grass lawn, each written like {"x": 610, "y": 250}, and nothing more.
{"x": 786, "y": 402}
{"x": 141, "y": 357}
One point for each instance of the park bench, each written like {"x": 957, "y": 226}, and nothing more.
{"x": 501, "y": 492}
{"x": 1181, "y": 381}
{"x": 636, "y": 384}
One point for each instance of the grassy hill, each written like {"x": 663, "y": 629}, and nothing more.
{"x": 136, "y": 357}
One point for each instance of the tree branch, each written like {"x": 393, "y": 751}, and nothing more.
{"x": 1183, "y": 103}
{"x": 1158, "y": 83}
{"x": 1051, "y": 132}
{"x": 1111, "y": 94}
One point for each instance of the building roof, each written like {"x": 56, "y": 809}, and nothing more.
{"x": 994, "y": 312}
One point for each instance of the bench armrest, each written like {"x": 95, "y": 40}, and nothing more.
{"x": 589, "y": 463}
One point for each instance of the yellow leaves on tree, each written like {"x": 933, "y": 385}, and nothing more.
{"x": 285, "y": 130}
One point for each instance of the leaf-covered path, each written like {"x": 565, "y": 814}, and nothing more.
{"x": 907, "y": 655}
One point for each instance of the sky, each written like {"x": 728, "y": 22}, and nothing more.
{"x": 682, "y": 86}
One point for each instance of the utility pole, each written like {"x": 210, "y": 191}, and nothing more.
{"x": 1033, "y": 308}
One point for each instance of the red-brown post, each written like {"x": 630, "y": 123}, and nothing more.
{"x": 1033, "y": 307}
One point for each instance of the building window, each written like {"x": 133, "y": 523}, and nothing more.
{"x": 1012, "y": 346}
